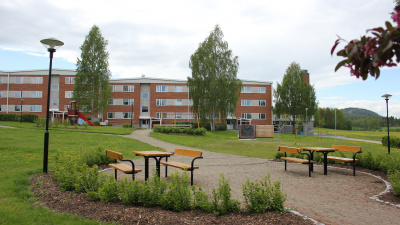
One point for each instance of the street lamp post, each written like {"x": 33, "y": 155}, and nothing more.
{"x": 51, "y": 44}
{"x": 132, "y": 116}
{"x": 22, "y": 101}
{"x": 305, "y": 131}
{"x": 386, "y": 97}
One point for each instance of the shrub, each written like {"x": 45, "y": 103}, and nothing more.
{"x": 166, "y": 129}
{"x": 199, "y": 131}
{"x": 220, "y": 127}
{"x": 29, "y": 118}
{"x": 126, "y": 125}
{"x": 176, "y": 130}
{"x": 394, "y": 178}
{"x": 65, "y": 123}
{"x": 130, "y": 191}
{"x": 38, "y": 123}
{"x": 96, "y": 123}
{"x": 201, "y": 200}
{"x": 394, "y": 141}
{"x": 152, "y": 190}
{"x": 189, "y": 130}
{"x": 178, "y": 197}
{"x": 10, "y": 117}
{"x": 109, "y": 124}
{"x": 157, "y": 128}
{"x": 108, "y": 191}
{"x": 222, "y": 203}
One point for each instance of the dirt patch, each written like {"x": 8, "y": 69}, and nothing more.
{"x": 51, "y": 196}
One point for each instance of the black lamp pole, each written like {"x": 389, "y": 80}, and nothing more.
{"x": 22, "y": 101}
{"x": 50, "y": 44}
{"x": 387, "y": 96}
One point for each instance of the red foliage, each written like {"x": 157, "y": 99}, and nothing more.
{"x": 367, "y": 55}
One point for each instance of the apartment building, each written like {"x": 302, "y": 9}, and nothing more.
{"x": 147, "y": 101}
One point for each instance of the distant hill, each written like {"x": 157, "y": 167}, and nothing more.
{"x": 357, "y": 113}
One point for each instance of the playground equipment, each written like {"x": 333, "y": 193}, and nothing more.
{"x": 175, "y": 118}
{"x": 74, "y": 114}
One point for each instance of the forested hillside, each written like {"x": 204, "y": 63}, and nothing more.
{"x": 358, "y": 113}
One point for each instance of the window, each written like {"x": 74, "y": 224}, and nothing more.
{"x": 162, "y": 88}
{"x": 246, "y": 115}
{"x": 161, "y": 102}
{"x": 246, "y": 89}
{"x": 36, "y": 80}
{"x": 35, "y": 108}
{"x": 128, "y": 101}
{"x": 145, "y": 108}
{"x": 54, "y": 101}
{"x": 17, "y": 108}
{"x": 178, "y": 101}
{"x": 179, "y": 116}
{"x": 159, "y": 114}
{"x": 110, "y": 115}
{"x": 128, "y": 88}
{"x": 0, "y": 94}
{"x": 54, "y": 87}
{"x": 114, "y": 88}
{"x": 178, "y": 88}
{"x": 262, "y": 90}
{"x": 246, "y": 102}
{"x": 111, "y": 101}
{"x": 262, "y": 103}
{"x": 145, "y": 95}
{"x": 68, "y": 94}
{"x": 17, "y": 94}
{"x": 126, "y": 115}
{"x": 70, "y": 80}
{"x": 1, "y": 80}
{"x": 262, "y": 116}
{"x": 36, "y": 94}
{"x": 18, "y": 80}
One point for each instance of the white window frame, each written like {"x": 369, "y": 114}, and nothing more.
{"x": 245, "y": 102}
{"x": 178, "y": 88}
{"x": 246, "y": 116}
{"x": 70, "y": 80}
{"x": 260, "y": 116}
{"x": 36, "y": 94}
{"x": 246, "y": 89}
{"x": 17, "y": 108}
{"x": 128, "y": 101}
{"x": 161, "y": 102}
{"x": 111, "y": 100}
{"x": 145, "y": 95}
{"x": 110, "y": 115}
{"x": 35, "y": 108}
{"x": 17, "y": 96}
{"x": 141, "y": 108}
{"x": 130, "y": 88}
{"x": 0, "y": 94}
{"x": 54, "y": 101}
{"x": 1, "y": 80}
{"x": 162, "y": 88}
{"x": 18, "y": 80}
{"x": 114, "y": 88}
{"x": 55, "y": 87}
{"x": 178, "y": 102}
{"x": 128, "y": 114}
{"x": 36, "y": 80}
{"x": 262, "y": 90}
{"x": 260, "y": 103}
{"x": 69, "y": 94}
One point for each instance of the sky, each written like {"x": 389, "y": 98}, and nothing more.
{"x": 156, "y": 38}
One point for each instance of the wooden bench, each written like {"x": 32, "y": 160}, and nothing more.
{"x": 182, "y": 166}
{"x": 346, "y": 160}
{"x": 119, "y": 165}
{"x": 293, "y": 150}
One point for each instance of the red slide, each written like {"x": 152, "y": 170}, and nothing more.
{"x": 85, "y": 119}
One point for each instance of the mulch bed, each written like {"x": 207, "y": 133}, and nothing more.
{"x": 51, "y": 196}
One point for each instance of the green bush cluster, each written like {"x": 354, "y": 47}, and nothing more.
{"x": 394, "y": 141}
{"x": 218, "y": 126}
{"x": 78, "y": 172}
{"x": 17, "y": 117}
{"x": 126, "y": 125}
{"x": 178, "y": 130}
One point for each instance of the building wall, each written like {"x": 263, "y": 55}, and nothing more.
{"x": 166, "y": 96}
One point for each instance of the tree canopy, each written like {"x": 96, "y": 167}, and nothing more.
{"x": 293, "y": 96}
{"x": 92, "y": 89}
{"x": 369, "y": 53}
{"x": 213, "y": 87}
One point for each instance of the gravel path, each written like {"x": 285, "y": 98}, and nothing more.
{"x": 338, "y": 198}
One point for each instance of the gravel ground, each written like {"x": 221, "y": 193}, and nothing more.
{"x": 338, "y": 198}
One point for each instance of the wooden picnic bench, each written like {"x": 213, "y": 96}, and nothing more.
{"x": 119, "y": 165}
{"x": 294, "y": 150}
{"x": 344, "y": 148}
{"x": 188, "y": 167}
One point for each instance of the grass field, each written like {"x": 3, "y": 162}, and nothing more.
{"x": 369, "y": 135}
{"x": 21, "y": 155}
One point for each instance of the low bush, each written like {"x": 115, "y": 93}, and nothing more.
{"x": 130, "y": 191}
{"x": 221, "y": 127}
{"x": 200, "y": 200}
{"x": 178, "y": 196}
{"x": 177, "y": 130}
{"x": 108, "y": 191}
{"x": 126, "y": 125}
{"x": 394, "y": 178}
{"x": 394, "y": 141}
{"x": 96, "y": 123}
{"x": 222, "y": 203}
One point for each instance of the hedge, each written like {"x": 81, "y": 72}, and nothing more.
{"x": 17, "y": 117}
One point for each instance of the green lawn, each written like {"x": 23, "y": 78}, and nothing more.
{"x": 369, "y": 135}
{"x": 21, "y": 155}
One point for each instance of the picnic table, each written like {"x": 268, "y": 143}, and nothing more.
{"x": 324, "y": 151}
{"x": 157, "y": 155}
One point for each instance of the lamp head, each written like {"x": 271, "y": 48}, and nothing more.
{"x": 386, "y": 96}
{"x": 22, "y": 100}
{"x": 52, "y": 43}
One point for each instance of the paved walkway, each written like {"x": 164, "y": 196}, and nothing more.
{"x": 346, "y": 138}
{"x": 338, "y": 198}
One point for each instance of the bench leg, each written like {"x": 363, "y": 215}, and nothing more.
{"x": 166, "y": 167}
{"x": 354, "y": 168}
{"x": 115, "y": 174}
{"x": 309, "y": 169}
{"x": 285, "y": 164}
{"x": 191, "y": 177}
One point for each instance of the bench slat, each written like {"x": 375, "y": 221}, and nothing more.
{"x": 125, "y": 168}
{"x": 289, "y": 149}
{"x": 347, "y": 148}
{"x": 179, "y": 165}
{"x": 186, "y": 152}
{"x": 302, "y": 161}
{"x": 115, "y": 155}
{"x": 348, "y": 160}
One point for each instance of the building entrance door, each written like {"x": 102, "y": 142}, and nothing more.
{"x": 145, "y": 124}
